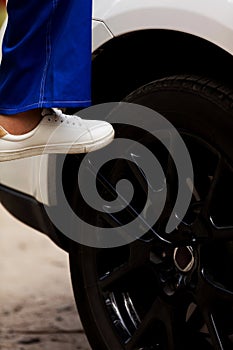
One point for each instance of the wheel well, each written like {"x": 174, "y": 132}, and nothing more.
{"x": 129, "y": 61}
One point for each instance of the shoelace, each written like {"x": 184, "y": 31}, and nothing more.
{"x": 58, "y": 114}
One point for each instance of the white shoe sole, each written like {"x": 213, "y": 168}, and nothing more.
{"x": 57, "y": 149}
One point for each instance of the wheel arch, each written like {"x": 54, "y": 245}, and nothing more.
{"x": 126, "y": 62}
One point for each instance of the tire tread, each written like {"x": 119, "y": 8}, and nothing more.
{"x": 214, "y": 91}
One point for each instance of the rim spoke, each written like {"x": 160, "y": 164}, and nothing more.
{"x": 215, "y": 335}
{"x": 113, "y": 220}
{"x": 213, "y": 205}
{"x": 214, "y": 290}
{"x": 111, "y": 277}
{"x": 212, "y": 301}
{"x": 211, "y": 193}
{"x": 212, "y": 208}
{"x": 171, "y": 182}
{"x": 220, "y": 233}
{"x": 159, "y": 311}
{"x": 171, "y": 177}
{"x": 138, "y": 173}
{"x": 139, "y": 256}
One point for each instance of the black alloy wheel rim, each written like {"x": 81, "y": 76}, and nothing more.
{"x": 175, "y": 292}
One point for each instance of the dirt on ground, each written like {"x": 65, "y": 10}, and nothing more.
{"x": 37, "y": 305}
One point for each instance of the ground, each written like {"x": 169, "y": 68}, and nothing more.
{"x": 37, "y": 306}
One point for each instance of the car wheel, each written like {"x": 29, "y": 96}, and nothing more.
{"x": 151, "y": 295}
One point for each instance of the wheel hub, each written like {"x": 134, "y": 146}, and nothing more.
{"x": 184, "y": 258}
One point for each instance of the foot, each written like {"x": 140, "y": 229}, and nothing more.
{"x": 55, "y": 133}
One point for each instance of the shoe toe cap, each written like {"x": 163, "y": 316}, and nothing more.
{"x": 97, "y": 130}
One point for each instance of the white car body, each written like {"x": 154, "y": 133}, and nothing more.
{"x": 211, "y": 20}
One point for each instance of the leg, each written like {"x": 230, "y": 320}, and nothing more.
{"x": 21, "y": 123}
{"x": 47, "y": 63}
{"x": 46, "y": 55}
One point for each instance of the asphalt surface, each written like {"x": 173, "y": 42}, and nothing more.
{"x": 37, "y": 305}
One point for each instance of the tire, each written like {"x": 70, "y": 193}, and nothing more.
{"x": 135, "y": 296}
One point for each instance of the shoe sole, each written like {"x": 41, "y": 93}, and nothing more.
{"x": 56, "y": 149}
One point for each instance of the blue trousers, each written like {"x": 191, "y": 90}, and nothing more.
{"x": 46, "y": 55}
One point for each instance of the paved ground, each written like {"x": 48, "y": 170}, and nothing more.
{"x": 37, "y": 309}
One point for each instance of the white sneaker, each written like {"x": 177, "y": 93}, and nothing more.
{"x": 56, "y": 133}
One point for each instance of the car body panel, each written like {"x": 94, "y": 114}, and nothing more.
{"x": 209, "y": 19}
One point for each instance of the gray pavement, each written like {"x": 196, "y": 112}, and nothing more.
{"x": 37, "y": 309}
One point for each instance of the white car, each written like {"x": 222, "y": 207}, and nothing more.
{"x": 163, "y": 291}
